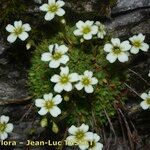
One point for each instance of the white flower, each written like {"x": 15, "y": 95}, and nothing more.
{"x": 149, "y": 74}
{"x": 64, "y": 80}
{"x": 94, "y": 144}
{"x": 146, "y": 103}
{"x": 5, "y": 127}
{"x": 86, "y": 82}
{"x": 86, "y": 29}
{"x": 79, "y": 135}
{"x": 101, "y": 30}
{"x": 49, "y": 104}
{"x": 117, "y": 50}
{"x": 53, "y": 8}
{"x": 138, "y": 43}
{"x": 18, "y": 30}
{"x": 56, "y": 55}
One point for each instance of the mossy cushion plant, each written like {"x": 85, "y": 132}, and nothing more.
{"x": 79, "y": 106}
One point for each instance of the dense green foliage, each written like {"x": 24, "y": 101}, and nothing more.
{"x": 88, "y": 55}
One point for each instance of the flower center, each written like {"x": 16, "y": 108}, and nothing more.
{"x": 2, "y": 127}
{"x": 116, "y": 50}
{"x": 49, "y": 104}
{"x": 57, "y": 56}
{"x": 80, "y": 135}
{"x": 86, "y": 81}
{"x": 64, "y": 79}
{"x": 137, "y": 43}
{"x": 53, "y": 8}
{"x": 86, "y": 30}
{"x": 18, "y": 30}
{"x": 148, "y": 101}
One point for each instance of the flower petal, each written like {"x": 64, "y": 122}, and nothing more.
{"x": 88, "y": 73}
{"x": 123, "y": 57}
{"x": 55, "y": 78}
{"x": 57, "y": 99}
{"x": 64, "y": 59}
{"x": 111, "y": 57}
{"x": 46, "y": 56}
{"x": 43, "y": 111}
{"x": 60, "y": 12}
{"x": 54, "y": 63}
{"x": 77, "y": 32}
{"x": 125, "y": 46}
{"x": 115, "y": 41}
{"x": 87, "y": 36}
{"x": 4, "y": 119}
{"x": 94, "y": 29}
{"x": 48, "y": 97}
{"x": 64, "y": 70}
{"x": 73, "y": 130}
{"x": 79, "y": 24}
{"x": 23, "y": 36}
{"x": 10, "y": 28}
{"x": 44, "y": 7}
{"x": 18, "y": 24}
{"x": 141, "y": 37}
{"x": 39, "y": 102}
{"x": 144, "y": 47}
{"x": 60, "y": 3}
{"x": 55, "y": 111}
{"x": 9, "y": 127}
{"x": 49, "y": 16}
{"x": 84, "y": 127}
{"x": 26, "y": 27}
{"x": 108, "y": 47}
{"x": 68, "y": 87}
{"x": 144, "y": 96}
{"x": 11, "y": 38}
{"x": 3, "y": 136}
{"x": 63, "y": 49}
{"x": 58, "y": 88}
{"x": 79, "y": 86}
{"x": 74, "y": 77}
{"x": 144, "y": 105}
{"x": 134, "y": 50}
{"x": 94, "y": 81}
{"x": 89, "y": 89}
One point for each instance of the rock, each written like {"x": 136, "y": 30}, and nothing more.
{"x": 123, "y": 25}
{"x": 128, "y": 5}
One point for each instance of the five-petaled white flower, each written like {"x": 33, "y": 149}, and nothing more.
{"x": 117, "y": 50}
{"x": 94, "y": 143}
{"x": 101, "y": 30}
{"x": 53, "y": 8}
{"x": 138, "y": 43}
{"x": 86, "y": 29}
{"x": 18, "y": 30}
{"x": 49, "y": 104}
{"x": 79, "y": 135}
{"x": 86, "y": 82}
{"x": 5, "y": 127}
{"x": 146, "y": 103}
{"x": 56, "y": 56}
{"x": 64, "y": 80}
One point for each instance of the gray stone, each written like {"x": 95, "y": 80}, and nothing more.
{"x": 126, "y": 5}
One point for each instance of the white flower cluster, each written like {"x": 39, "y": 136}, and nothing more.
{"x": 52, "y": 9}
{"x": 120, "y": 50}
{"x": 83, "y": 138}
{"x": 88, "y": 29}
{"x": 5, "y": 127}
